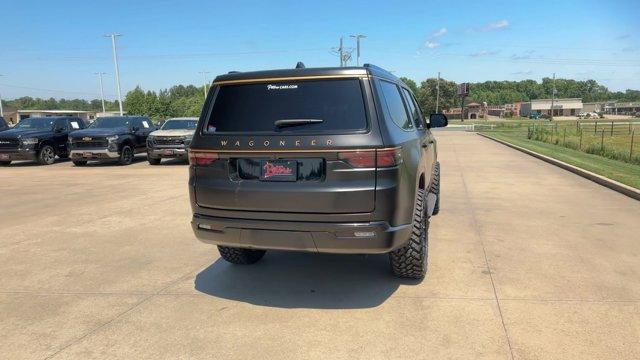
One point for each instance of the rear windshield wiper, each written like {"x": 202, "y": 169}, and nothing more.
{"x": 296, "y": 122}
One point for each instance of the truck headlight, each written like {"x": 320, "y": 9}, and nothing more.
{"x": 112, "y": 138}
{"x": 29, "y": 141}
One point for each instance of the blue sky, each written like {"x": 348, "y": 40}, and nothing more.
{"x": 53, "y": 49}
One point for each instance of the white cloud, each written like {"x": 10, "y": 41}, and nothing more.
{"x": 482, "y": 53}
{"x": 438, "y": 33}
{"x": 497, "y": 25}
{"x": 431, "y": 45}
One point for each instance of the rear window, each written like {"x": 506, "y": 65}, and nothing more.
{"x": 314, "y": 106}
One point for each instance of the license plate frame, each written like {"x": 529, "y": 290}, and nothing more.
{"x": 87, "y": 155}
{"x": 168, "y": 152}
{"x": 5, "y": 157}
{"x": 279, "y": 170}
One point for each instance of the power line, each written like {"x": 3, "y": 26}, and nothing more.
{"x": 50, "y": 90}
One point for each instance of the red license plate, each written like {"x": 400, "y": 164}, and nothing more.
{"x": 4, "y": 157}
{"x": 87, "y": 154}
{"x": 168, "y": 152}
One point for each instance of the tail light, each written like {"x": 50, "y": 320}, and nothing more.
{"x": 202, "y": 158}
{"x": 380, "y": 158}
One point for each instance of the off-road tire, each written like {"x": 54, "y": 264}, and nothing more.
{"x": 79, "y": 162}
{"x": 5, "y": 163}
{"x": 126, "y": 155}
{"x": 410, "y": 261}
{"x": 46, "y": 155}
{"x": 154, "y": 161}
{"x": 435, "y": 188}
{"x": 240, "y": 256}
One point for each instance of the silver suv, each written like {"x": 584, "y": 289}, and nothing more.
{"x": 172, "y": 140}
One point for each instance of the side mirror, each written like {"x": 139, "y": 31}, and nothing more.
{"x": 135, "y": 129}
{"x": 57, "y": 130}
{"x": 438, "y": 120}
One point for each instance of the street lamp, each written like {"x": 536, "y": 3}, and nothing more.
{"x": 357, "y": 37}
{"x": 115, "y": 64}
{"x": 101, "y": 89}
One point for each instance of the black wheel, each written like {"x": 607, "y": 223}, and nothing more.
{"x": 126, "y": 155}
{"x": 154, "y": 161}
{"x": 79, "y": 162}
{"x": 435, "y": 188}
{"x": 240, "y": 256}
{"x": 46, "y": 155}
{"x": 5, "y": 163}
{"x": 410, "y": 261}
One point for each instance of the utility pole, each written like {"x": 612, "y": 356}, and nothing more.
{"x": 340, "y": 53}
{"x": 115, "y": 64}
{"x": 1, "y": 110}
{"x": 438, "y": 93}
{"x": 101, "y": 89}
{"x": 553, "y": 95}
{"x": 204, "y": 77}
{"x": 357, "y": 37}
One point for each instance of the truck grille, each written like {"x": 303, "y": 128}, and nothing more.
{"x": 169, "y": 140}
{"x": 9, "y": 143}
{"x": 91, "y": 144}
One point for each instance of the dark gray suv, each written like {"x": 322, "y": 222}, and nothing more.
{"x": 336, "y": 160}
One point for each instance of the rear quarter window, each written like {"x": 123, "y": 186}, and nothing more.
{"x": 251, "y": 108}
{"x": 394, "y": 105}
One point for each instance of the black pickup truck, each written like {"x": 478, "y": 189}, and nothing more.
{"x": 114, "y": 138}
{"x": 40, "y": 139}
{"x": 3, "y": 124}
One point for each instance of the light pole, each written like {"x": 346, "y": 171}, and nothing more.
{"x": 357, "y": 37}
{"x": 553, "y": 95}
{"x": 204, "y": 78}
{"x": 101, "y": 89}
{"x": 438, "y": 93}
{"x": 115, "y": 64}
{"x": 1, "y": 110}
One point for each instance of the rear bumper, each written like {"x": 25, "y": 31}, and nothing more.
{"x": 18, "y": 154}
{"x": 346, "y": 238}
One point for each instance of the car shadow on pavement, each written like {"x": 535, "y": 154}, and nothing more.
{"x": 30, "y": 163}
{"x": 303, "y": 280}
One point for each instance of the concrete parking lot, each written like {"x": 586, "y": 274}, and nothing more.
{"x": 527, "y": 261}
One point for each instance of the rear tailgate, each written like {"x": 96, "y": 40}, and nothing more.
{"x": 259, "y": 166}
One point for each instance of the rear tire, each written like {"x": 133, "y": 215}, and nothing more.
{"x": 126, "y": 155}
{"x": 79, "y": 162}
{"x": 240, "y": 256}
{"x": 46, "y": 155}
{"x": 410, "y": 261}
{"x": 154, "y": 161}
{"x": 5, "y": 163}
{"x": 435, "y": 188}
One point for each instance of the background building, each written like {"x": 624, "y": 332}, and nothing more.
{"x": 561, "y": 107}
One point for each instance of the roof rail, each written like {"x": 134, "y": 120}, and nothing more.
{"x": 379, "y": 69}
{"x": 233, "y": 72}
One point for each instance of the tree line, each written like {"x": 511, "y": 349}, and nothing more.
{"x": 187, "y": 100}
{"x": 504, "y": 92}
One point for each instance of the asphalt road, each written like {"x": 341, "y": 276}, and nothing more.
{"x": 527, "y": 261}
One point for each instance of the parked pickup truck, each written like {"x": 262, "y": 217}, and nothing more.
{"x": 114, "y": 138}
{"x": 172, "y": 140}
{"x": 334, "y": 160}
{"x": 39, "y": 139}
{"x": 3, "y": 124}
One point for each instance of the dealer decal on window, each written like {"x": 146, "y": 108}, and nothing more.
{"x": 282, "y": 87}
